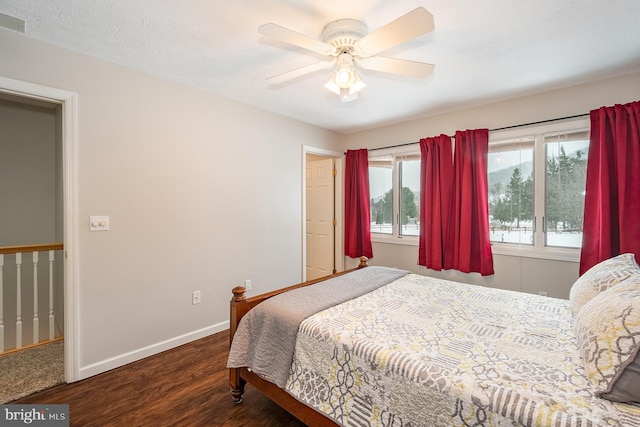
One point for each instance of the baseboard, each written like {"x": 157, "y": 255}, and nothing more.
{"x": 121, "y": 360}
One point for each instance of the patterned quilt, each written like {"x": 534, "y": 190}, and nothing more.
{"x": 428, "y": 352}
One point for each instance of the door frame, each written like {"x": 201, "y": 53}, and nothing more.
{"x": 69, "y": 107}
{"x": 338, "y": 241}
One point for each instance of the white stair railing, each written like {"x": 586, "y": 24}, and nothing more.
{"x": 52, "y": 317}
{"x": 36, "y": 319}
{"x": 19, "y": 300}
{"x": 19, "y": 333}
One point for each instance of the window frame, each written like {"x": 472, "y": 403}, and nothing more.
{"x": 523, "y": 141}
{"x": 397, "y": 155}
{"x": 538, "y": 249}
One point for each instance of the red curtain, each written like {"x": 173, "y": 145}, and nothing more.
{"x": 612, "y": 198}
{"x": 469, "y": 230}
{"x": 357, "y": 209}
{"x": 436, "y": 176}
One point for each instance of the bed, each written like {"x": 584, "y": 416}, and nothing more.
{"x": 382, "y": 346}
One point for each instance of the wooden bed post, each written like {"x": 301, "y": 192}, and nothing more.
{"x": 238, "y": 308}
{"x": 363, "y": 262}
{"x": 238, "y": 377}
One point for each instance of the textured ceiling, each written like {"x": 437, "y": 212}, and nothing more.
{"x": 484, "y": 51}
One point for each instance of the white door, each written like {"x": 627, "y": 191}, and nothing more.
{"x": 320, "y": 214}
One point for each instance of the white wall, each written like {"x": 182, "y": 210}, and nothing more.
{"x": 27, "y": 173}
{"x": 511, "y": 272}
{"x": 202, "y": 193}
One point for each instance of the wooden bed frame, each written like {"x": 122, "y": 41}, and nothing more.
{"x": 238, "y": 377}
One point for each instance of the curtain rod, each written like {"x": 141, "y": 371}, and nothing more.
{"x": 493, "y": 130}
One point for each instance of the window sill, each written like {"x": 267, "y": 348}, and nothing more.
{"x": 394, "y": 240}
{"x": 515, "y": 250}
{"x": 556, "y": 254}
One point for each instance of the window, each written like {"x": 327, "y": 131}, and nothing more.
{"x": 536, "y": 189}
{"x": 394, "y": 186}
{"x": 510, "y": 180}
{"x": 381, "y": 193}
{"x": 565, "y": 178}
{"x": 409, "y": 207}
{"x": 536, "y": 181}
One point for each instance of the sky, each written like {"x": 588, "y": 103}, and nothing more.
{"x": 380, "y": 179}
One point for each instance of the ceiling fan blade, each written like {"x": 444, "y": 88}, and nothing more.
{"x": 402, "y": 67}
{"x": 409, "y": 26}
{"x": 298, "y": 72}
{"x": 286, "y": 35}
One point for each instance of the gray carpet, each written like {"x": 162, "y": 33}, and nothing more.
{"x": 31, "y": 370}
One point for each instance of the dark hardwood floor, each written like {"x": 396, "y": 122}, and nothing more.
{"x": 185, "y": 386}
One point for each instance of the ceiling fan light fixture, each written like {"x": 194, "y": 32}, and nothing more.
{"x": 344, "y": 78}
{"x": 345, "y": 81}
{"x": 346, "y": 94}
{"x": 345, "y": 71}
{"x": 350, "y": 93}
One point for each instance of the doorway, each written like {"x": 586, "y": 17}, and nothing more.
{"x": 322, "y": 213}
{"x": 65, "y": 105}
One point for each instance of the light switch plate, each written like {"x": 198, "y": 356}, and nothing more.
{"x": 98, "y": 223}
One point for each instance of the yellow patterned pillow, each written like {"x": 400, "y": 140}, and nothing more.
{"x": 601, "y": 277}
{"x": 608, "y": 335}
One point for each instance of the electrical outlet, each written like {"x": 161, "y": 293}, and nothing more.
{"x": 195, "y": 297}
{"x": 247, "y": 284}
{"x": 543, "y": 293}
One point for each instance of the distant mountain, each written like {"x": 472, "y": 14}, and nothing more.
{"x": 416, "y": 197}
{"x": 503, "y": 176}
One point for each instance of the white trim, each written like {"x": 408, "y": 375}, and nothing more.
{"x": 150, "y": 350}
{"x": 339, "y": 248}
{"x": 70, "y": 185}
{"x": 69, "y": 102}
{"x": 339, "y": 195}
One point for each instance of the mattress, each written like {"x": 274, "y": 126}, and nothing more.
{"x": 421, "y": 351}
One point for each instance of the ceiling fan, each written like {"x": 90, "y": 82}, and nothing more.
{"x": 348, "y": 45}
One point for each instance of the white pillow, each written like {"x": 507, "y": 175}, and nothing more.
{"x": 601, "y": 277}
{"x": 608, "y": 336}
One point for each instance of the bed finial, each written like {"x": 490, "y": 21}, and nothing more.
{"x": 238, "y": 293}
{"x": 363, "y": 262}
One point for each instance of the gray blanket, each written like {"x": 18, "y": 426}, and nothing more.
{"x": 266, "y": 336}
